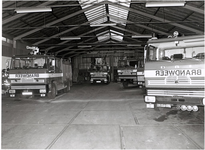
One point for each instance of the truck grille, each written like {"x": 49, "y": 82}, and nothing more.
{"x": 183, "y": 93}
{"x": 21, "y": 87}
{"x": 175, "y": 80}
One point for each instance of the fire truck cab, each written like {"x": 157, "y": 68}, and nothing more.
{"x": 100, "y": 74}
{"x": 39, "y": 75}
{"x": 130, "y": 73}
{"x": 174, "y": 73}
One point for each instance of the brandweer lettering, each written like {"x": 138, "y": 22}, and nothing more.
{"x": 178, "y": 72}
{"x": 26, "y": 75}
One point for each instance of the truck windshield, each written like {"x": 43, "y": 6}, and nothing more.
{"x": 157, "y": 54}
{"x": 102, "y": 68}
{"x": 28, "y": 63}
{"x": 127, "y": 63}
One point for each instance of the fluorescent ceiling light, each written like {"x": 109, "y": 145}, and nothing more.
{"x": 164, "y": 4}
{"x": 70, "y": 38}
{"x": 81, "y": 46}
{"x": 142, "y": 36}
{"x": 104, "y": 24}
{"x": 33, "y": 9}
{"x": 133, "y": 45}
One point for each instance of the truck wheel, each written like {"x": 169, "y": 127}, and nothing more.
{"x": 108, "y": 80}
{"x": 67, "y": 89}
{"x": 125, "y": 84}
{"x": 53, "y": 92}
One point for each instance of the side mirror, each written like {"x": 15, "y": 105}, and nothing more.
{"x": 53, "y": 62}
{"x": 7, "y": 64}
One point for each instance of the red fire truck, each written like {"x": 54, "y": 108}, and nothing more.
{"x": 42, "y": 75}
{"x": 174, "y": 73}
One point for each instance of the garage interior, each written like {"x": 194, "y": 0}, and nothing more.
{"x": 96, "y": 116}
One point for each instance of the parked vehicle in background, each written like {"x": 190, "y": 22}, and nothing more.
{"x": 100, "y": 74}
{"x": 130, "y": 73}
{"x": 174, "y": 73}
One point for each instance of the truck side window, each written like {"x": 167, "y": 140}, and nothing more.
{"x": 51, "y": 67}
{"x": 58, "y": 65}
{"x": 177, "y": 56}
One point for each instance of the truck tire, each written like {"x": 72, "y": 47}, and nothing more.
{"x": 108, "y": 80}
{"x": 67, "y": 89}
{"x": 53, "y": 92}
{"x": 125, "y": 84}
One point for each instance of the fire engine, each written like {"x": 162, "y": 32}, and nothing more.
{"x": 174, "y": 72}
{"x": 128, "y": 73}
{"x": 38, "y": 75}
{"x": 100, "y": 74}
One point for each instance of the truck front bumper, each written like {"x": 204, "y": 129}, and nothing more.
{"x": 28, "y": 90}
{"x": 132, "y": 80}
{"x": 98, "y": 80}
{"x": 183, "y": 103}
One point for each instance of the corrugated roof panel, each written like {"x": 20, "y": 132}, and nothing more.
{"x": 99, "y": 21}
{"x": 118, "y": 12}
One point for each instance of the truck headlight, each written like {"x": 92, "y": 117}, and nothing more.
{"x": 140, "y": 78}
{"x": 119, "y": 71}
{"x": 42, "y": 91}
{"x": 203, "y": 101}
{"x": 150, "y": 99}
{"x": 105, "y": 73}
{"x": 135, "y": 70}
{"x": 140, "y": 73}
{"x": 12, "y": 91}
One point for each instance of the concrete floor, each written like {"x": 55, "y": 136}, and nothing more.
{"x": 98, "y": 117}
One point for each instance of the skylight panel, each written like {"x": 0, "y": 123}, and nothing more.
{"x": 118, "y": 21}
{"x": 99, "y": 21}
{"x": 95, "y": 13}
{"x": 103, "y": 36}
{"x": 116, "y": 37}
{"x": 87, "y": 3}
{"x": 118, "y": 12}
{"x": 100, "y": 11}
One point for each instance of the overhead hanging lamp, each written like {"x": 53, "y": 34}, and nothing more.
{"x": 71, "y": 38}
{"x": 103, "y": 24}
{"x": 141, "y": 36}
{"x": 33, "y": 9}
{"x": 164, "y": 4}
